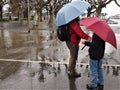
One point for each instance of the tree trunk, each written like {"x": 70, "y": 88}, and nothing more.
{"x": 98, "y": 11}
{"x": 41, "y": 15}
{"x": 1, "y": 12}
{"x": 51, "y": 20}
{"x": 2, "y": 37}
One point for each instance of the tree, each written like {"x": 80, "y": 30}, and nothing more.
{"x": 98, "y": 5}
{"x": 19, "y": 8}
{"x": 117, "y": 2}
{"x": 2, "y": 3}
{"x": 53, "y": 7}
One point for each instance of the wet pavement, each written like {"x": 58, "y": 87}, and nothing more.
{"x": 38, "y": 61}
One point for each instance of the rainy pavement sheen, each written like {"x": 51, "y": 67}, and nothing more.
{"x": 40, "y": 45}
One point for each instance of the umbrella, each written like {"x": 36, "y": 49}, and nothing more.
{"x": 101, "y": 28}
{"x": 70, "y": 11}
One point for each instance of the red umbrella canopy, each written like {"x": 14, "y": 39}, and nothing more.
{"x": 101, "y": 28}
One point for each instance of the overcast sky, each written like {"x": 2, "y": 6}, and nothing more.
{"x": 111, "y": 9}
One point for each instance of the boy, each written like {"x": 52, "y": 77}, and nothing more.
{"x": 96, "y": 53}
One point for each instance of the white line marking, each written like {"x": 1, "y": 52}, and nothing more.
{"x": 33, "y": 61}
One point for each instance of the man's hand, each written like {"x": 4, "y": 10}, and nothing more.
{"x": 83, "y": 41}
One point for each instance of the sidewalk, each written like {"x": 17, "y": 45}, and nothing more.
{"x": 37, "y": 61}
{"x": 54, "y": 77}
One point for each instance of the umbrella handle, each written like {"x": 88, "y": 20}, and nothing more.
{"x": 83, "y": 47}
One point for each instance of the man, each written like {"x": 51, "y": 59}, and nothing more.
{"x": 76, "y": 34}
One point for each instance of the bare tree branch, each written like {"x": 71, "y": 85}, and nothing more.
{"x": 117, "y": 2}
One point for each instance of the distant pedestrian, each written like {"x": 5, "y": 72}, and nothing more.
{"x": 96, "y": 53}
{"x": 76, "y": 34}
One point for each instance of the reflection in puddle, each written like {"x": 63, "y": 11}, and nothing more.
{"x": 72, "y": 85}
{"x": 115, "y": 71}
{"x": 8, "y": 68}
{"x": 41, "y": 76}
{"x": 43, "y": 67}
{"x": 108, "y": 70}
{"x": 54, "y": 71}
{"x": 59, "y": 69}
{"x": 42, "y": 70}
{"x": 7, "y": 38}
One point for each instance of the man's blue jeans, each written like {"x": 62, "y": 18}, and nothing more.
{"x": 96, "y": 72}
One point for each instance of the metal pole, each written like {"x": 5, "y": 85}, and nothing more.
{"x": 28, "y": 4}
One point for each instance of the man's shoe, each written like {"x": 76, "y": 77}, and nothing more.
{"x": 100, "y": 87}
{"x": 89, "y": 87}
{"x": 74, "y": 75}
